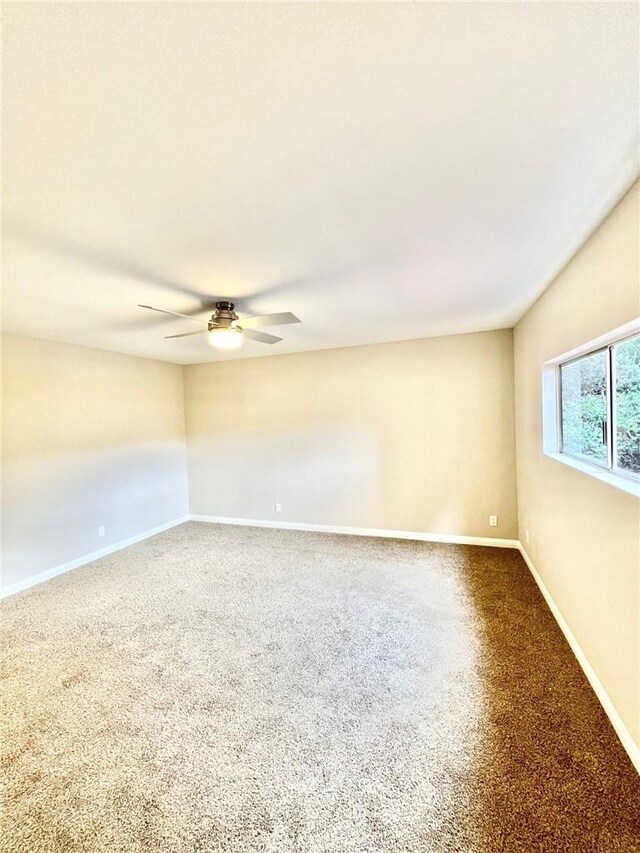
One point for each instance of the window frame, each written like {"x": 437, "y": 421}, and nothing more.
{"x": 552, "y": 427}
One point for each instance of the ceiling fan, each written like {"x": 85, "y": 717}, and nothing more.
{"x": 226, "y": 330}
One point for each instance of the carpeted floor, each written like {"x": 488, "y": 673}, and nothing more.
{"x": 243, "y": 689}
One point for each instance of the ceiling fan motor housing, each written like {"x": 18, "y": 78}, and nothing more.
{"x": 224, "y": 316}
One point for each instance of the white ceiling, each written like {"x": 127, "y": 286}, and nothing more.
{"x": 385, "y": 171}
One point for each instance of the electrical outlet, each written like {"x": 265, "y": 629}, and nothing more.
{"x": 526, "y": 536}
{"x": 278, "y": 507}
{"x": 101, "y": 531}
{"x": 493, "y": 521}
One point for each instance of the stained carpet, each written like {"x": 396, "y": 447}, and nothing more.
{"x": 244, "y": 690}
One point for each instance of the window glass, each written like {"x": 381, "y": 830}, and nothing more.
{"x": 626, "y": 369}
{"x": 584, "y": 407}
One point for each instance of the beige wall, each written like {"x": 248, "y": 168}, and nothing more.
{"x": 414, "y": 436}
{"x": 90, "y": 438}
{"x": 584, "y": 535}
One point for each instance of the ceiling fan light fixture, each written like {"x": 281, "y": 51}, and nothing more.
{"x": 223, "y": 329}
{"x": 225, "y": 338}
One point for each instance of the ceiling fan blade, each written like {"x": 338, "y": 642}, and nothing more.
{"x": 268, "y": 320}
{"x": 263, "y": 337}
{"x": 173, "y": 313}
{"x": 186, "y": 334}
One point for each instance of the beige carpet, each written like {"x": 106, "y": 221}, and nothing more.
{"x": 238, "y": 689}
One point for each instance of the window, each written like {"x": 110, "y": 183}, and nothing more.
{"x": 591, "y": 408}
{"x": 625, "y": 372}
{"x": 583, "y": 390}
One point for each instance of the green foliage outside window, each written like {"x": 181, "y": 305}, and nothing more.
{"x": 585, "y": 410}
{"x": 627, "y": 401}
{"x": 584, "y": 407}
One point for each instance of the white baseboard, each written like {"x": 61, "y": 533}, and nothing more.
{"x": 362, "y": 531}
{"x": 13, "y": 588}
{"x": 626, "y": 739}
